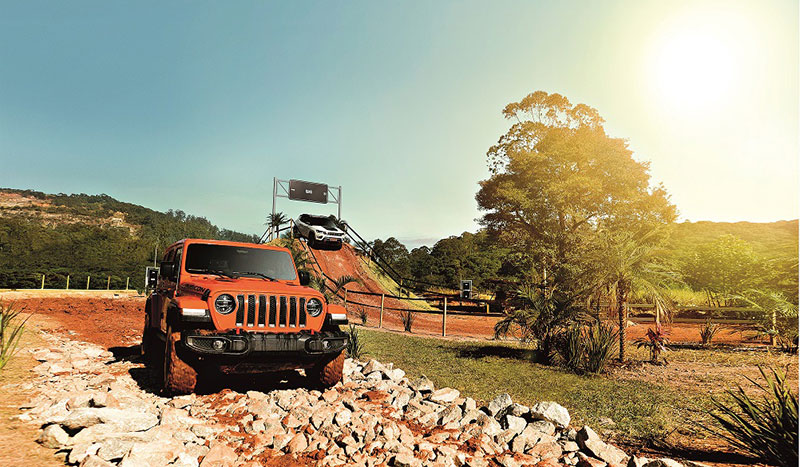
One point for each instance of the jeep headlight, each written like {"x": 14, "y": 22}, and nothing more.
{"x": 224, "y": 304}
{"x": 314, "y": 307}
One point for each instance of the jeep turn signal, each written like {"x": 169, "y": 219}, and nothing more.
{"x": 337, "y": 318}
{"x": 195, "y": 314}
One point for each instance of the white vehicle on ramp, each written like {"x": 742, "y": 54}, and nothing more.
{"x": 319, "y": 231}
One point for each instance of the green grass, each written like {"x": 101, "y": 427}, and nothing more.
{"x": 483, "y": 370}
{"x": 391, "y": 286}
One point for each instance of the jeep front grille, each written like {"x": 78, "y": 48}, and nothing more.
{"x": 274, "y": 311}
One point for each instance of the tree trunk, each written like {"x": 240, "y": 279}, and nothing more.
{"x": 622, "y": 312}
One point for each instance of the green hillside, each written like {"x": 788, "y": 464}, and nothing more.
{"x": 770, "y": 240}
{"x": 87, "y": 235}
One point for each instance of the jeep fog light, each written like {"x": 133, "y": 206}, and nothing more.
{"x": 218, "y": 345}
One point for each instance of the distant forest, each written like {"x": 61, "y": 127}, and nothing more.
{"x": 722, "y": 257}
{"x": 71, "y": 234}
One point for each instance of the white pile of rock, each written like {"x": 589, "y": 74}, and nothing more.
{"x": 94, "y": 414}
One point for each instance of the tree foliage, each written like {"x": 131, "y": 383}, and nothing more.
{"x": 557, "y": 179}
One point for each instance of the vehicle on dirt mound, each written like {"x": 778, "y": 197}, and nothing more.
{"x": 319, "y": 231}
{"x": 224, "y": 307}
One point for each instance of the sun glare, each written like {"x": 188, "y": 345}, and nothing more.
{"x": 697, "y": 61}
{"x": 694, "y": 69}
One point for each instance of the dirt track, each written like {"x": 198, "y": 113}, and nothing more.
{"x": 109, "y": 321}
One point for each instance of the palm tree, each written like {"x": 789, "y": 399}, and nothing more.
{"x": 275, "y": 220}
{"x": 778, "y": 318}
{"x": 300, "y": 256}
{"x": 330, "y": 291}
{"x": 631, "y": 263}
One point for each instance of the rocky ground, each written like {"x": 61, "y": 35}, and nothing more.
{"x": 96, "y": 409}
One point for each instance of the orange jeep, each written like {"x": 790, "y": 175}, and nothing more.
{"x": 239, "y": 308}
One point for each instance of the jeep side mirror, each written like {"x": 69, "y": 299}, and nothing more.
{"x": 167, "y": 270}
{"x": 151, "y": 277}
{"x": 304, "y": 276}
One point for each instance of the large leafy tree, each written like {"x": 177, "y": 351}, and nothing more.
{"x": 557, "y": 179}
{"x": 394, "y": 253}
{"x": 559, "y": 185}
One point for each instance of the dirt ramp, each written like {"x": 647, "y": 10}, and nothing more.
{"x": 345, "y": 261}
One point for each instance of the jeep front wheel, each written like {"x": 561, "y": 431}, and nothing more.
{"x": 178, "y": 376}
{"x": 148, "y": 342}
{"x": 328, "y": 372}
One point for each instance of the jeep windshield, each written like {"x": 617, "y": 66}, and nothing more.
{"x": 234, "y": 261}
{"x": 325, "y": 222}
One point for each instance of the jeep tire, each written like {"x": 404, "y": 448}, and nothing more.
{"x": 311, "y": 239}
{"x": 327, "y": 372}
{"x": 178, "y": 376}
{"x": 149, "y": 341}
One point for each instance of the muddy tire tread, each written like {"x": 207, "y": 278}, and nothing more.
{"x": 330, "y": 373}
{"x": 179, "y": 376}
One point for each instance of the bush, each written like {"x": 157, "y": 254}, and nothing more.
{"x": 708, "y": 331}
{"x": 600, "y": 340}
{"x": 766, "y": 427}
{"x": 570, "y": 349}
{"x": 586, "y": 349}
{"x": 656, "y": 342}
{"x": 355, "y": 346}
{"x": 407, "y": 317}
{"x": 10, "y": 331}
{"x": 362, "y": 315}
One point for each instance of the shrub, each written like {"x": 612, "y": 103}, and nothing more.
{"x": 362, "y": 315}
{"x": 355, "y": 346}
{"x": 540, "y": 318}
{"x": 599, "y": 344}
{"x": 407, "y": 317}
{"x": 654, "y": 341}
{"x": 570, "y": 350}
{"x": 11, "y": 327}
{"x": 586, "y": 349}
{"x": 708, "y": 331}
{"x": 766, "y": 427}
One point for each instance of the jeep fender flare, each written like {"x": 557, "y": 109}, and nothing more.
{"x": 173, "y": 316}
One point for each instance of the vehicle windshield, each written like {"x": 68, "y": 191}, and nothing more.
{"x": 239, "y": 261}
{"x": 326, "y": 222}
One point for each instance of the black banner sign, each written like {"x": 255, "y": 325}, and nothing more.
{"x": 308, "y": 191}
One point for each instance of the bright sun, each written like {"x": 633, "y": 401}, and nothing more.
{"x": 695, "y": 63}
{"x": 695, "y": 69}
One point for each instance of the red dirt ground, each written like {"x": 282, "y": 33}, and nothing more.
{"x": 109, "y": 322}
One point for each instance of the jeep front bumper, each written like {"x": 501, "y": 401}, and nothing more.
{"x": 254, "y": 344}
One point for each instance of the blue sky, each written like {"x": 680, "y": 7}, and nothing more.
{"x": 198, "y": 105}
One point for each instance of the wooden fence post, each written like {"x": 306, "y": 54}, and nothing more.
{"x": 42, "y": 281}
{"x": 108, "y": 285}
{"x": 88, "y": 278}
{"x": 127, "y": 282}
{"x": 487, "y": 307}
{"x": 774, "y": 328}
{"x": 444, "y": 319}
{"x": 67, "y": 281}
{"x": 380, "y": 322}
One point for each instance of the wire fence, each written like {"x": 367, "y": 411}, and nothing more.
{"x": 69, "y": 281}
